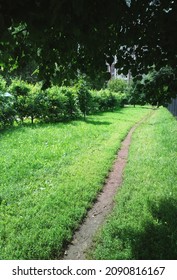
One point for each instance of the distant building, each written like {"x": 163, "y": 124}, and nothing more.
{"x": 114, "y": 72}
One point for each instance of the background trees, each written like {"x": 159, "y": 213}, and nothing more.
{"x": 156, "y": 88}
{"x": 52, "y": 41}
{"x": 21, "y": 101}
{"x": 83, "y": 34}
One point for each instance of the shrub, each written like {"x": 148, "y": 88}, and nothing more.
{"x": 72, "y": 102}
{"x": 120, "y": 87}
{"x": 2, "y": 84}
{"x": 20, "y": 90}
{"x": 55, "y": 104}
{"x": 117, "y": 85}
{"x": 104, "y": 100}
{"x": 136, "y": 95}
{"x": 7, "y": 112}
{"x": 84, "y": 97}
{"x": 35, "y": 102}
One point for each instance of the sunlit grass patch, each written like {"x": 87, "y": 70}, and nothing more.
{"x": 50, "y": 175}
{"x": 143, "y": 224}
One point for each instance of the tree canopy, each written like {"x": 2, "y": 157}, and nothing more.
{"x": 67, "y": 35}
{"x": 155, "y": 88}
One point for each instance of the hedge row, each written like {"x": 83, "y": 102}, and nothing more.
{"x": 22, "y": 100}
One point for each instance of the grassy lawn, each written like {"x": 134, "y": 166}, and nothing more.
{"x": 143, "y": 224}
{"x": 50, "y": 175}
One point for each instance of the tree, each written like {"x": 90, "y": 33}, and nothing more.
{"x": 84, "y": 96}
{"x": 136, "y": 95}
{"x": 83, "y": 34}
{"x": 156, "y": 88}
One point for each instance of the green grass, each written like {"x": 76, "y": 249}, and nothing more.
{"x": 50, "y": 175}
{"x": 143, "y": 224}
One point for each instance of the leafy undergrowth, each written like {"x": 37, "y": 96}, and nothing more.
{"x": 49, "y": 177}
{"x": 143, "y": 224}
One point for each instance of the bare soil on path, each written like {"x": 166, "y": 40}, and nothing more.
{"x": 82, "y": 239}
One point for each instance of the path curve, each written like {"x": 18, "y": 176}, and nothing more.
{"x": 83, "y": 237}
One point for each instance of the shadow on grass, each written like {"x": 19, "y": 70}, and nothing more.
{"x": 158, "y": 239}
{"x": 39, "y": 123}
{"x": 97, "y": 122}
{"x": 74, "y": 122}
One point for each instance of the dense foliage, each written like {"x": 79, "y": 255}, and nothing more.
{"x": 62, "y": 37}
{"x": 7, "y": 112}
{"x": 24, "y": 100}
{"x": 156, "y": 88}
{"x": 117, "y": 85}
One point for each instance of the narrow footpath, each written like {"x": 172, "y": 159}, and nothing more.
{"x": 83, "y": 237}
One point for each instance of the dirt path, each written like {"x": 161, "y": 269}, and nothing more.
{"x": 82, "y": 239}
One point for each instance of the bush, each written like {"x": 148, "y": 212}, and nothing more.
{"x": 2, "y": 84}
{"x": 72, "y": 102}
{"x": 105, "y": 100}
{"x": 117, "y": 85}
{"x": 84, "y": 97}
{"x": 35, "y": 102}
{"x": 55, "y": 103}
{"x": 7, "y": 112}
{"x": 20, "y": 90}
{"x": 120, "y": 87}
{"x": 136, "y": 95}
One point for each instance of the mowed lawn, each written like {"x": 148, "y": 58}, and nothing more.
{"x": 143, "y": 224}
{"x": 50, "y": 175}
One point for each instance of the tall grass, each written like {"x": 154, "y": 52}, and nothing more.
{"x": 143, "y": 224}
{"x": 50, "y": 175}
